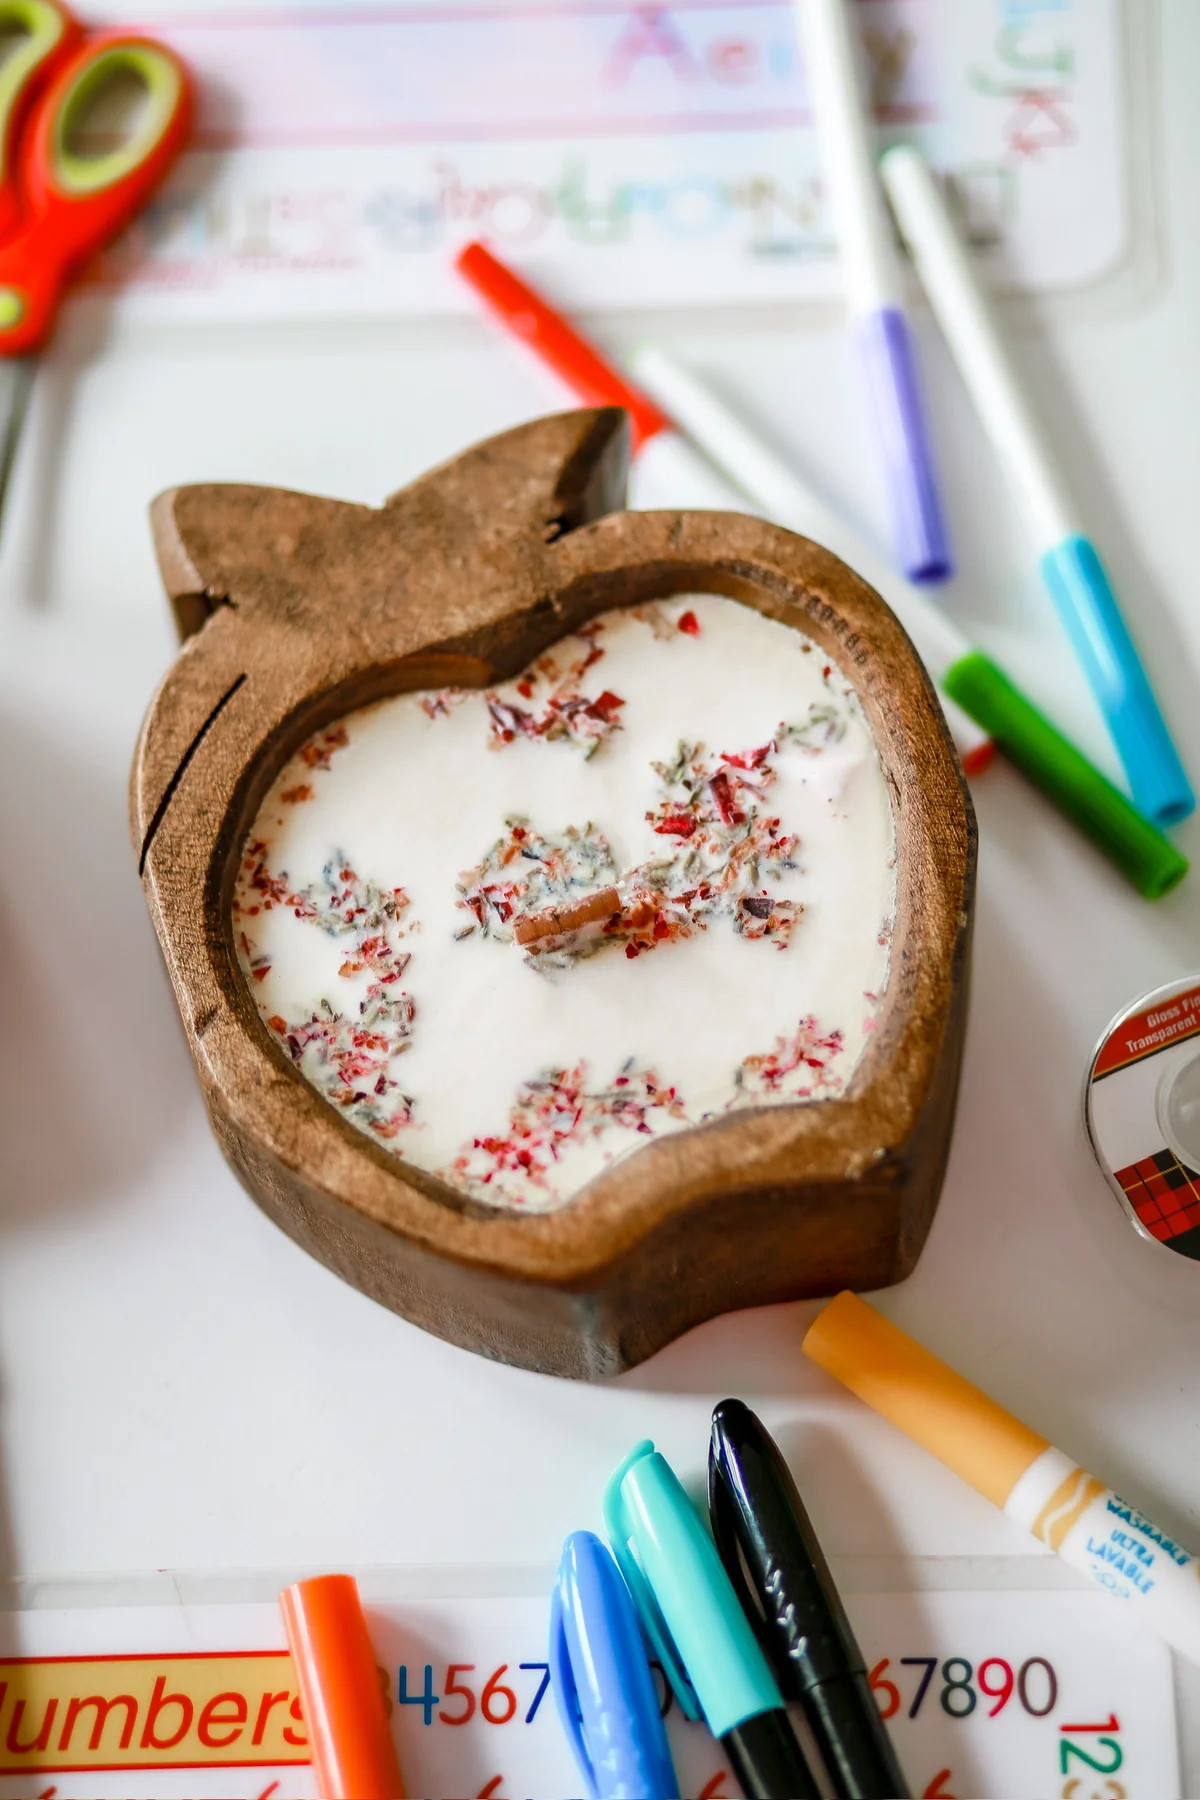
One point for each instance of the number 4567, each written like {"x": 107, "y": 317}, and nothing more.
{"x": 496, "y": 1702}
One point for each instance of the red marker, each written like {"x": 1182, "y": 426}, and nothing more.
{"x": 531, "y": 318}
{"x": 666, "y": 459}
{"x": 668, "y": 463}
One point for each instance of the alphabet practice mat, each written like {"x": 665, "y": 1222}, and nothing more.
{"x": 1039, "y": 1694}
{"x": 627, "y": 153}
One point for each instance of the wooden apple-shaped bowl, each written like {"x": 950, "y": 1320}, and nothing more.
{"x": 295, "y": 611}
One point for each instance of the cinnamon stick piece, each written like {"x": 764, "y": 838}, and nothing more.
{"x": 559, "y": 926}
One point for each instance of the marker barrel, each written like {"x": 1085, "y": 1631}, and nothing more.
{"x": 889, "y": 355}
{"x": 861, "y": 1764}
{"x": 775, "y": 1562}
{"x": 961, "y": 308}
{"x": 767, "y": 1759}
{"x": 871, "y": 275}
{"x": 1065, "y": 1507}
{"x": 1069, "y": 564}
{"x": 670, "y": 472}
{"x": 1087, "y": 606}
{"x": 528, "y": 316}
{"x": 873, "y": 284}
{"x": 1104, "y": 814}
{"x": 939, "y": 1409}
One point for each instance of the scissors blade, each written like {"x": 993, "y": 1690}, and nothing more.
{"x": 16, "y": 379}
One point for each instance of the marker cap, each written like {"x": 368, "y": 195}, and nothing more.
{"x": 344, "y": 1709}
{"x": 531, "y": 318}
{"x": 1080, "y": 588}
{"x": 602, "y": 1682}
{"x": 683, "y": 1595}
{"x": 1102, "y": 812}
{"x": 922, "y": 541}
{"x": 774, "y": 1559}
{"x": 930, "y": 1403}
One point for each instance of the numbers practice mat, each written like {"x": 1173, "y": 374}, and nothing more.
{"x": 629, "y": 153}
{"x": 988, "y": 1693}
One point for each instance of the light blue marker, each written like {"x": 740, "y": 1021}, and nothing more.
{"x": 1070, "y": 564}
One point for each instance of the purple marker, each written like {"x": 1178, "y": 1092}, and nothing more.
{"x": 873, "y": 282}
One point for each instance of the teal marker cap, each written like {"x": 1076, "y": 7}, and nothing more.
{"x": 1079, "y": 585}
{"x": 684, "y": 1598}
{"x": 1051, "y": 761}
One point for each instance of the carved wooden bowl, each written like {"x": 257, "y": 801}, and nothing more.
{"x": 295, "y": 611}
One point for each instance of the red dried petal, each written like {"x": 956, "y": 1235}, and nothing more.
{"x": 606, "y": 706}
{"x": 747, "y": 759}
{"x": 722, "y": 794}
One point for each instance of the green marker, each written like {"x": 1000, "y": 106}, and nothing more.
{"x": 976, "y": 683}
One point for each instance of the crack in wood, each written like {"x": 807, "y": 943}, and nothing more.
{"x": 172, "y": 785}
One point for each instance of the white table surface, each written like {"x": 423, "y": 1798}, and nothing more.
{"x": 180, "y": 1386}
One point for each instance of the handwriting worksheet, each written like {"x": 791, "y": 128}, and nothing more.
{"x": 1021, "y": 1694}
{"x": 625, "y": 152}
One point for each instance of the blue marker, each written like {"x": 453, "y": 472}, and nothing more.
{"x": 1070, "y": 565}
{"x": 693, "y": 1618}
{"x": 602, "y": 1681}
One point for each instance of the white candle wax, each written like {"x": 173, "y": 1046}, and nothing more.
{"x": 381, "y": 881}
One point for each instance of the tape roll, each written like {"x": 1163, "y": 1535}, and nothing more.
{"x": 1142, "y": 1110}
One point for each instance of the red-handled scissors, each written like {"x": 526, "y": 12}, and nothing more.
{"x": 61, "y": 199}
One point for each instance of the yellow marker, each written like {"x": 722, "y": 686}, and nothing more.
{"x": 1067, "y": 1509}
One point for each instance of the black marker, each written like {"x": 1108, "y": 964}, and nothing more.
{"x": 761, "y": 1527}
{"x": 691, "y": 1614}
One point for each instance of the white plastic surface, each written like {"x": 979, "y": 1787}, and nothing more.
{"x": 182, "y": 1386}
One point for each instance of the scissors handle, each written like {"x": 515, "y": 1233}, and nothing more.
{"x": 44, "y": 35}
{"x": 73, "y": 203}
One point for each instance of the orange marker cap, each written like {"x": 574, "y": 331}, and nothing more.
{"x": 530, "y": 317}
{"x": 938, "y": 1409}
{"x": 353, "y": 1755}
